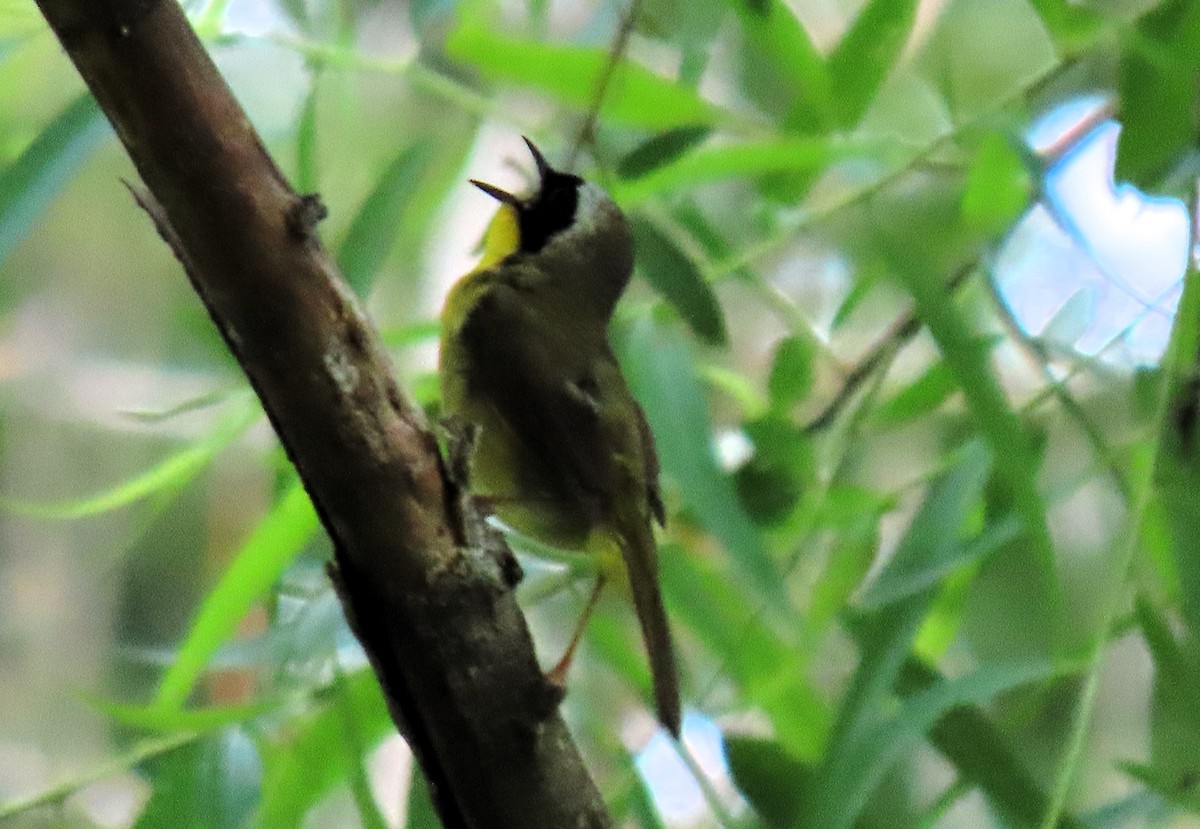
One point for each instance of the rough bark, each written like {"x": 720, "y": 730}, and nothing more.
{"x": 431, "y": 602}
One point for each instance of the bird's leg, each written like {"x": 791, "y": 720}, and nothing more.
{"x": 558, "y": 674}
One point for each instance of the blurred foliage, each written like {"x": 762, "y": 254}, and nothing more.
{"x": 923, "y": 571}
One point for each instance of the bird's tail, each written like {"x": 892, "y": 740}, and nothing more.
{"x": 641, "y": 561}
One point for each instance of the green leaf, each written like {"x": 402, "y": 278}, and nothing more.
{"x": 920, "y": 397}
{"x": 1071, "y": 24}
{"x": 356, "y": 743}
{"x": 413, "y": 334}
{"x": 751, "y": 158}
{"x": 1176, "y": 788}
{"x": 378, "y": 221}
{"x": 737, "y": 386}
{"x": 167, "y": 476}
{"x": 1011, "y": 36}
{"x": 18, "y": 21}
{"x": 852, "y": 515}
{"x": 660, "y": 372}
{"x": 1017, "y": 460}
{"x": 210, "y": 784}
{"x": 307, "y": 173}
{"x": 902, "y": 579}
{"x": 661, "y": 149}
{"x": 155, "y": 718}
{"x": 1176, "y": 476}
{"x": 420, "y": 811}
{"x": 278, "y": 538}
{"x": 866, "y": 54}
{"x": 29, "y": 183}
{"x": 677, "y": 278}
{"x": 885, "y": 742}
{"x": 782, "y": 70}
{"x": 1157, "y": 86}
{"x": 636, "y": 96}
{"x": 1174, "y": 716}
{"x": 773, "y": 480}
{"x": 791, "y": 376}
{"x": 982, "y": 755}
{"x": 774, "y": 781}
{"x": 318, "y": 751}
{"x": 885, "y": 636}
{"x": 998, "y": 188}
{"x": 1156, "y": 116}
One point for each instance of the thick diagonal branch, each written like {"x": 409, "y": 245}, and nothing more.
{"x": 436, "y": 615}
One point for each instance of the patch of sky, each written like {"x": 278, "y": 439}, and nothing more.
{"x": 1096, "y": 267}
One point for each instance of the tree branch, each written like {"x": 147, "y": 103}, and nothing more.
{"x": 436, "y": 616}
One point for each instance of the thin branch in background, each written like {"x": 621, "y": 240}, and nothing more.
{"x": 879, "y": 357}
{"x": 587, "y": 131}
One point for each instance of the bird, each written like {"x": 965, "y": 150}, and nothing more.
{"x": 563, "y": 451}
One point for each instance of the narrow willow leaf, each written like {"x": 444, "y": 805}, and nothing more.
{"x": 782, "y": 468}
{"x": 1177, "y": 463}
{"x": 1157, "y": 87}
{"x": 420, "y": 811}
{"x": 1156, "y": 122}
{"x": 782, "y": 69}
{"x": 636, "y": 96}
{"x": 774, "y": 781}
{"x": 881, "y": 746}
{"x": 1071, "y": 24}
{"x": 674, "y": 275}
{"x": 197, "y": 720}
{"x": 737, "y": 386}
{"x": 29, "y": 183}
{"x": 1009, "y": 33}
{"x": 982, "y": 755}
{"x": 886, "y": 636}
{"x": 1174, "y": 716}
{"x": 377, "y": 223}
{"x": 356, "y": 743}
{"x": 18, "y": 21}
{"x": 920, "y": 397}
{"x": 968, "y": 357}
{"x": 902, "y": 579}
{"x": 307, "y": 173}
{"x": 278, "y": 538}
{"x": 168, "y": 475}
{"x": 661, "y": 149}
{"x": 747, "y": 159}
{"x": 416, "y": 333}
{"x": 998, "y": 188}
{"x": 866, "y": 54}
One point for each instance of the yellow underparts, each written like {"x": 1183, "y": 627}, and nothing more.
{"x": 604, "y": 548}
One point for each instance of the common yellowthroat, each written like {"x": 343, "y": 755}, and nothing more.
{"x": 564, "y": 452}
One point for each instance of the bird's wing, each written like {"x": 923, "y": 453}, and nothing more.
{"x": 540, "y": 376}
{"x": 651, "y": 468}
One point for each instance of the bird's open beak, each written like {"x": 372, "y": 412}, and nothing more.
{"x": 502, "y": 196}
